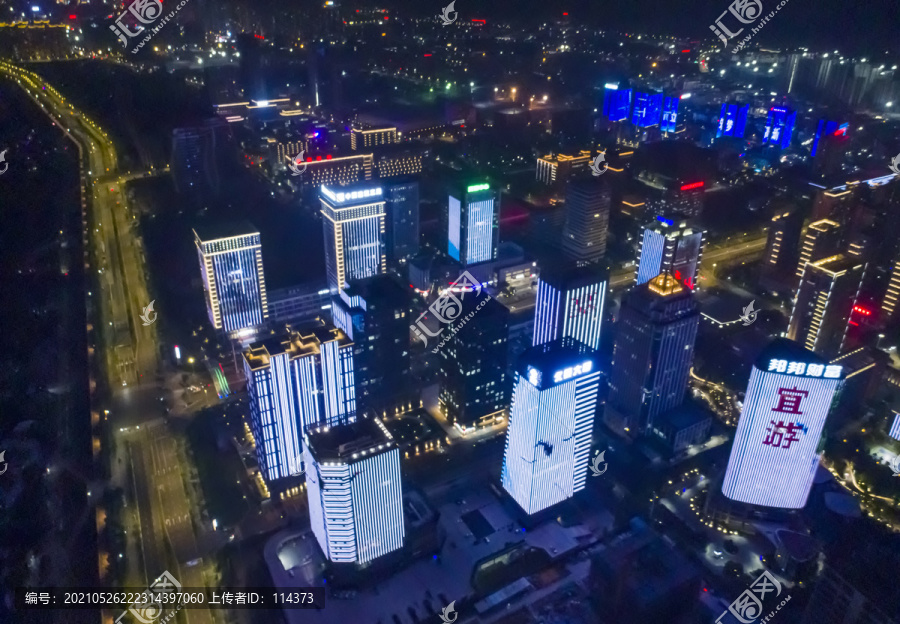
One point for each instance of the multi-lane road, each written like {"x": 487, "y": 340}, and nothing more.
{"x": 130, "y": 348}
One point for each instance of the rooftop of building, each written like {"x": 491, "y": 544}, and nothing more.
{"x": 299, "y": 343}
{"x": 784, "y": 349}
{"x": 837, "y": 265}
{"x": 559, "y": 355}
{"x": 378, "y": 288}
{"x": 673, "y": 224}
{"x": 352, "y": 194}
{"x": 664, "y": 285}
{"x": 350, "y": 442}
{"x": 565, "y": 275}
{"x": 211, "y": 231}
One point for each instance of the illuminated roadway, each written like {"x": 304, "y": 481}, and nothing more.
{"x": 131, "y": 347}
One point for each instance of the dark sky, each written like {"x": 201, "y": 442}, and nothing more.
{"x": 851, "y": 26}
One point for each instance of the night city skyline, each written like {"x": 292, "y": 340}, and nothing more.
{"x": 332, "y": 311}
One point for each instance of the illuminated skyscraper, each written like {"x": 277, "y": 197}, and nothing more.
{"x": 822, "y": 240}
{"x": 825, "y": 128}
{"x": 365, "y": 138}
{"x": 647, "y": 109}
{"x": 774, "y": 454}
{"x": 354, "y": 491}
{"x": 473, "y": 224}
{"x": 825, "y": 302}
{"x": 653, "y": 354}
{"x": 374, "y": 313}
{"x": 782, "y": 243}
{"x": 549, "y": 436}
{"x": 233, "y": 281}
{"x": 401, "y": 196}
{"x": 732, "y": 120}
{"x": 670, "y": 114}
{"x": 296, "y": 382}
{"x": 779, "y": 127}
{"x": 587, "y": 221}
{"x": 354, "y": 226}
{"x": 616, "y": 102}
{"x": 670, "y": 245}
{"x": 194, "y": 168}
{"x": 472, "y": 364}
{"x": 889, "y": 303}
{"x": 557, "y": 169}
{"x": 570, "y": 305}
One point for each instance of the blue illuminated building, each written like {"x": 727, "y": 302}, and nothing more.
{"x": 825, "y": 128}
{"x": 647, "y": 109}
{"x": 616, "y": 103}
{"x": 779, "y": 127}
{"x": 296, "y": 382}
{"x": 233, "y": 282}
{"x": 670, "y": 114}
{"x": 548, "y": 441}
{"x": 473, "y": 224}
{"x": 732, "y": 120}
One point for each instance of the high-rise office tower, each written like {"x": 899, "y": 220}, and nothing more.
{"x": 822, "y": 240}
{"x": 549, "y": 436}
{"x": 779, "y": 127}
{"x": 732, "y": 120}
{"x": 616, "y": 102}
{"x": 827, "y": 128}
{"x": 782, "y": 242}
{"x": 194, "y": 168}
{"x": 889, "y": 303}
{"x": 557, "y": 169}
{"x": 670, "y": 114}
{"x": 670, "y": 244}
{"x": 296, "y": 382}
{"x": 774, "y": 454}
{"x": 366, "y": 138}
{"x": 654, "y": 351}
{"x": 570, "y": 304}
{"x": 838, "y": 204}
{"x": 354, "y": 226}
{"x": 472, "y": 364}
{"x": 233, "y": 281}
{"x": 375, "y": 314}
{"x": 473, "y": 221}
{"x": 354, "y": 491}
{"x": 401, "y": 196}
{"x": 685, "y": 199}
{"x": 647, "y": 109}
{"x": 824, "y": 303}
{"x": 587, "y": 221}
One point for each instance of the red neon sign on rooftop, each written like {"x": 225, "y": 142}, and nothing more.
{"x": 862, "y": 310}
{"x": 692, "y": 185}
